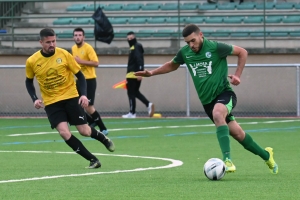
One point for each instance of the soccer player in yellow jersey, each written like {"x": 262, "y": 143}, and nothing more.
{"x": 86, "y": 57}
{"x": 54, "y": 69}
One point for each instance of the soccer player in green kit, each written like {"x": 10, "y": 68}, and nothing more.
{"x": 207, "y": 64}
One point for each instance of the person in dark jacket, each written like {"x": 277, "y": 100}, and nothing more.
{"x": 135, "y": 63}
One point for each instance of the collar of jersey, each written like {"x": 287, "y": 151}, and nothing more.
{"x": 47, "y": 55}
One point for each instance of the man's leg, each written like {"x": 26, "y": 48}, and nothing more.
{"x": 77, "y": 145}
{"x": 139, "y": 95}
{"x": 59, "y": 119}
{"x": 91, "y": 90}
{"x": 144, "y": 100}
{"x": 219, "y": 117}
{"x": 248, "y": 143}
{"x": 90, "y": 120}
{"x": 131, "y": 91}
{"x": 88, "y": 131}
{"x": 221, "y": 108}
{"x": 96, "y": 118}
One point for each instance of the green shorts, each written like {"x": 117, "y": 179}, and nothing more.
{"x": 228, "y": 98}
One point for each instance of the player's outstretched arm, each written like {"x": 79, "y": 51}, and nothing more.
{"x": 144, "y": 73}
{"x": 165, "y": 68}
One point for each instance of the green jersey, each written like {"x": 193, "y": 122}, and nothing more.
{"x": 208, "y": 68}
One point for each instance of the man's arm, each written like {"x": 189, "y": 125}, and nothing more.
{"x": 81, "y": 83}
{"x": 165, "y": 68}
{"x": 83, "y": 101}
{"x": 31, "y": 89}
{"x": 86, "y": 62}
{"x": 242, "y": 55}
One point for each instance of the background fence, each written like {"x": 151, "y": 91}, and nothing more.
{"x": 158, "y": 24}
{"x": 266, "y": 90}
{"x": 262, "y": 27}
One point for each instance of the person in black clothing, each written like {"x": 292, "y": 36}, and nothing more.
{"x": 135, "y": 63}
{"x": 232, "y": 1}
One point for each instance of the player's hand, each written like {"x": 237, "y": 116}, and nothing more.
{"x": 83, "y": 101}
{"x": 38, "y": 104}
{"x": 78, "y": 60}
{"x": 139, "y": 78}
{"x": 144, "y": 73}
{"x": 235, "y": 80}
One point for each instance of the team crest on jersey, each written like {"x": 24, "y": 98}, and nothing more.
{"x": 82, "y": 52}
{"x": 208, "y": 54}
{"x": 58, "y": 60}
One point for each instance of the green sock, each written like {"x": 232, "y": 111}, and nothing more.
{"x": 251, "y": 146}
{"x": 224, "y": 142}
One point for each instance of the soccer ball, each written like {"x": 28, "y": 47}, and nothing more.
{"x": 214, "y": 169}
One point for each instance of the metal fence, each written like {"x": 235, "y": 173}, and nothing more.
{"x": 23, "y": 24}
{"x": 9, "y": 9}
{"x": 266, "y": 90}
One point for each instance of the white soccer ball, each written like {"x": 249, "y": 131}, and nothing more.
{"x": 214, "y": 169}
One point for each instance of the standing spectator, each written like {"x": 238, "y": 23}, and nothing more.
{"x": 54, "y": 69}
{"x": 135, "y": 63}
{"x": 86, "y": 57}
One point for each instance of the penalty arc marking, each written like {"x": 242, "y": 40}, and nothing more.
{"x": 174, "y": 163}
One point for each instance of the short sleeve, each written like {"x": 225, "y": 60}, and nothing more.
{"x": 224, "y": 49}
{"x": 92, "y": 55}
{"x": 29, "y": 70}
{"x": 178, "y": 58}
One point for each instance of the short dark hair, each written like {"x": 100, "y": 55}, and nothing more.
{"x": 189, "y": 29}
{"x": 79, "y": 29}
{"x": 46, "y": 32}
{"x": 130, "y": 33}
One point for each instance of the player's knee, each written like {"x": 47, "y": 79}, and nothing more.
{"x": 65, "y": 134}
{"x": 84, "y": 130}
{"x": 219, "y": 117}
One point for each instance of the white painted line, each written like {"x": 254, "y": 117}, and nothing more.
{"x": 37, "y": 133}
{"x": 174, "y": 163}
{"x": 146, "y": 128}
{"x": 157, "y": 127}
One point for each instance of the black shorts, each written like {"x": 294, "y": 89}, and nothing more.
{"x": 65, "y": 111}
{"x": 228, "y": 98}
{"x": 91, "y": 85}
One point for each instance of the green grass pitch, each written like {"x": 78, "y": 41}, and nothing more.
{"x": 154, "y": 159}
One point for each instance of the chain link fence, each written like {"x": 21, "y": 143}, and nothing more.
{"x": 266, "y": 90}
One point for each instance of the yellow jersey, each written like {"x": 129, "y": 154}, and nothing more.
{"x": 86, "y": 52}
{"x": 54, "y": 74}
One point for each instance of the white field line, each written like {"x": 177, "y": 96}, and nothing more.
{"x": 158, "y": 127}
{"x": 174, "y": 163}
